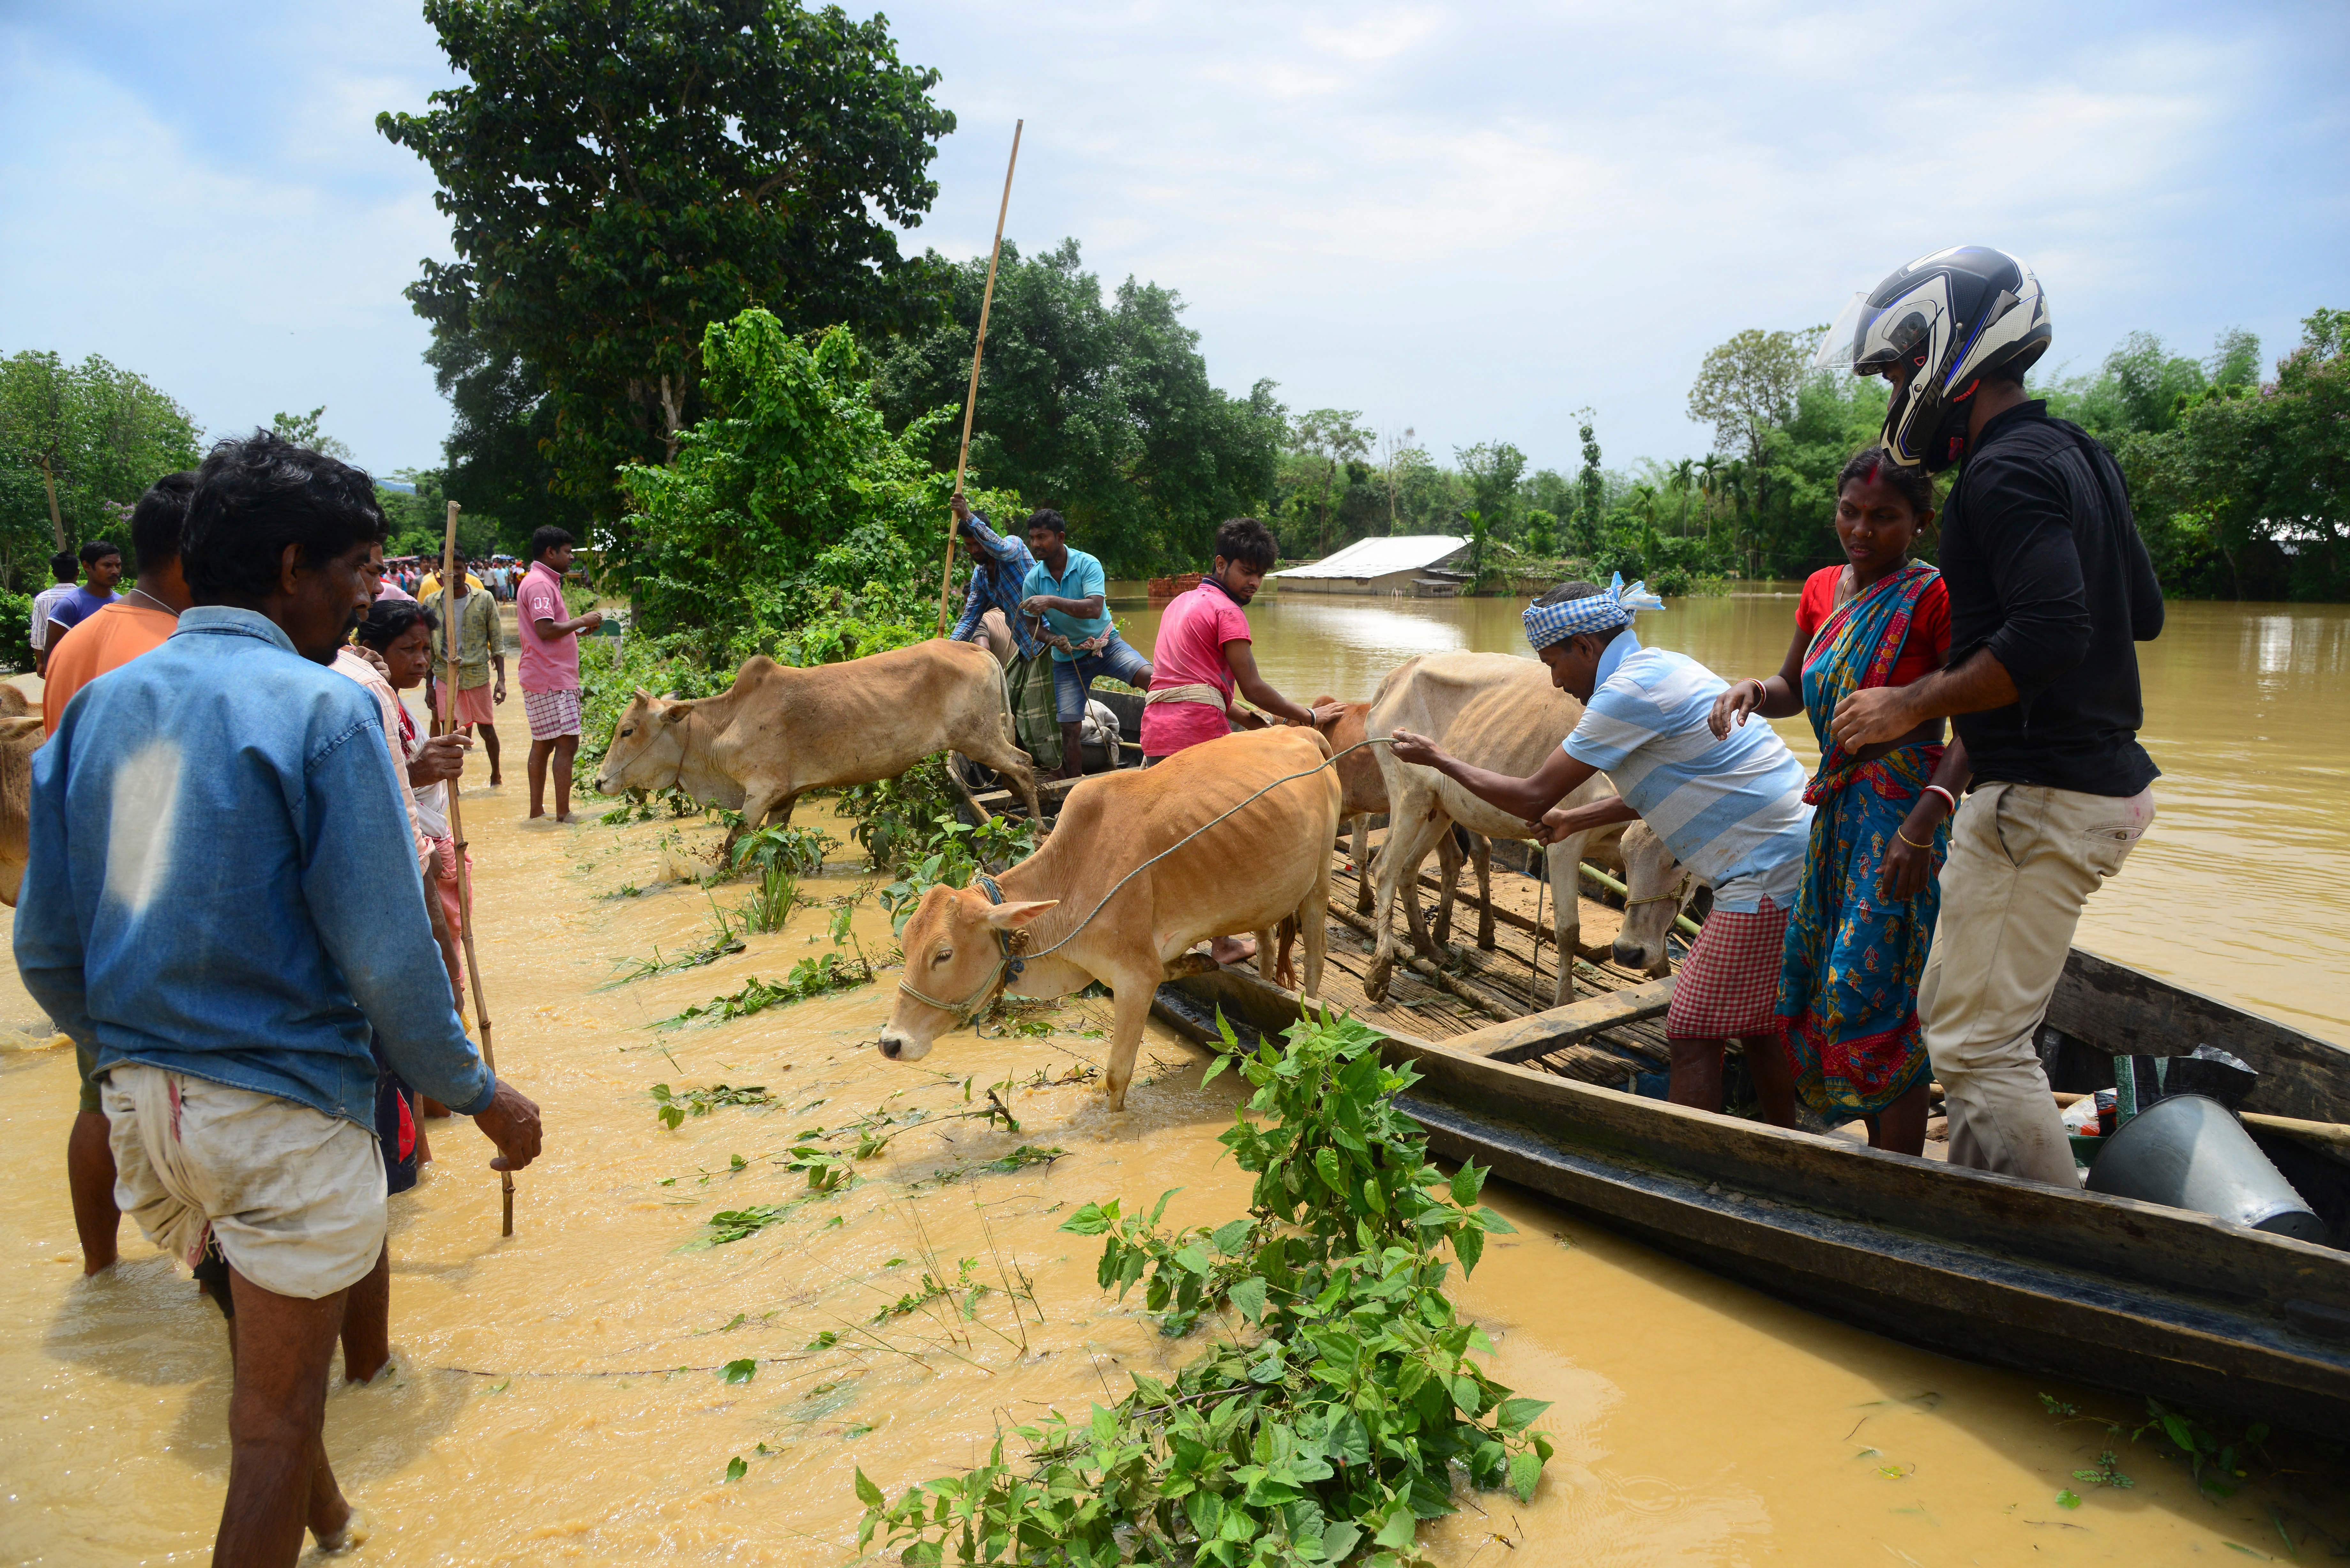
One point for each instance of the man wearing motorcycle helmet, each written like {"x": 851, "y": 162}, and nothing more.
{"x": 2050, "y": 589}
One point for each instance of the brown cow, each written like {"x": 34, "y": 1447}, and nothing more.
{"x": 778, "y": 733}
{"x": 1498, "y": 711}
{"x": 20, "y": 737}
{"x": 1069, "y": 903}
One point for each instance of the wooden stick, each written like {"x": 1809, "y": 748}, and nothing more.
{"x": 970, "y": 396}
{"x": 449, "y": 640}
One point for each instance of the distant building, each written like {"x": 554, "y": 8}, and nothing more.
{"x": 1412, "y": 567}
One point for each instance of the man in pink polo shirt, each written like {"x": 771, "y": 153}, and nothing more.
{"x": 1205, "y": 652}
{"x": 550, "y": 667}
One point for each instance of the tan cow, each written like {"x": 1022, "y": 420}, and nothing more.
{"x": 1497, "y": 711}
{"x": 20, "y": 737}
{"x": 1658, "y": 889}
{"x": 1069, "y": 904}
{"x": 778, "y": 733}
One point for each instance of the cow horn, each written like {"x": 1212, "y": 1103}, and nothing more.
{"x": 643, "y": 695}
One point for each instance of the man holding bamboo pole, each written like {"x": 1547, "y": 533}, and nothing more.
{"x": 222, "y": 897}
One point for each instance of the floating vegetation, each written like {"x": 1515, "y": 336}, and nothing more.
{"x": 810, "y": 977}
{"x": 736, "y": 1224}
{"x": 1335, "y": 1424}
{"x": 1020, "y": 1159}
{"x": 725, "y": 943}
{"x": 675, "y": 1106}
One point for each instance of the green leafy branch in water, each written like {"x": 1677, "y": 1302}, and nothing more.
{"x": 1337, "y": 1426}
{"x": 674, "y": 1107}
{"x": 810, "y": 977}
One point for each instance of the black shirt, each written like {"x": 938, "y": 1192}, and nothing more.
{"x": 2045, "y": 569}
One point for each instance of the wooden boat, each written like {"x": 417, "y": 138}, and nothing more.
{"x": 2106, "y": 1291}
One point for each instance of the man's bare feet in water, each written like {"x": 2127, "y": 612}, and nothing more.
{"x": 1232, "y": 949}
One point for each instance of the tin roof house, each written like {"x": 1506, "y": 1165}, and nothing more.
{"x": 1411, "y": 567}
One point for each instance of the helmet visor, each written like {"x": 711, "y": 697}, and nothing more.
{"x": 1868, "y": 339}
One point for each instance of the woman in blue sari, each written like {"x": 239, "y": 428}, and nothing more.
{"x": 1857, "y": 939}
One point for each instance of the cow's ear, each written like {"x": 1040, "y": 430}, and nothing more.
{"x": 1012, "y": 917}
{"x": 675, "y": 712}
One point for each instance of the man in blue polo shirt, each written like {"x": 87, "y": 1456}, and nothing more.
{"x": 1066, "y": 590}
{"x": 1731, "y": 809}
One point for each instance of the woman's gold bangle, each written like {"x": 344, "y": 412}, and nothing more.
{"x": 1912, "y": 843}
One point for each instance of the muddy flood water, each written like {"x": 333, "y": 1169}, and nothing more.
{"x": 561, "y": 1395}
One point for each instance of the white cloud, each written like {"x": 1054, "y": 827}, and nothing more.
{"x": 1470, "y": 219}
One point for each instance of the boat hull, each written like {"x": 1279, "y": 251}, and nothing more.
{"x": 2097, "y": 1289}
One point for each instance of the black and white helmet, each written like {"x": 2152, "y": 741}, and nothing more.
{"x": 1938, "y": 325}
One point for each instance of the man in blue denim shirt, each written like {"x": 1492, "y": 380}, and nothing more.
{"x": 1000, "y": 566}
{"x": 222, "y": 896}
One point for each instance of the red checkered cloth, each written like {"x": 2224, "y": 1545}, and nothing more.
{"x": 1729, "y": 985}
{"x": 551, "y": 714}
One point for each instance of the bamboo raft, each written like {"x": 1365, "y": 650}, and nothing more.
{"x": 2107, "y": 1291}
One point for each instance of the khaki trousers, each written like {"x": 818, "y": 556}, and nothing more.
{"x": 2023, "y": 860}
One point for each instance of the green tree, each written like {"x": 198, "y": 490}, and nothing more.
{"x": 1102, "y": 409}
{"x": 2247, "y": 490}
{"x": 496, "y": 454}
{"x": 1746, "y": 389}
{"x": 1591, "y": 487}
{"x": 793, "y": 504}
{"x": 88, "y": 439}
{"x": 303, "y": 431}
{"x": 1542, "y": 533}
{"x": 620, "y": 173}
{"x": 1492, "y": 470}
{"x": 1331, "y": 439}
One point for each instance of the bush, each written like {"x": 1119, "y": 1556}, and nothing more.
{"x": 16, "y": 630}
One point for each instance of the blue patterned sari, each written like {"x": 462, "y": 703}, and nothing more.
{"x": 1848, "y": 976}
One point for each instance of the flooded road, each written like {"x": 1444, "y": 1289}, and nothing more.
{"x": 2238, "y": 890}
{"x": 563, "y": 1396}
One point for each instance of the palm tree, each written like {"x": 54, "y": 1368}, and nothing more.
{"x": 1684, "y": 481}
{"x": 1644, "y": 503}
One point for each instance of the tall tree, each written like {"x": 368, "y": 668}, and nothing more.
{"x": 620, "y": 173}
{"x": 502, "y": 432}
{"x": 94, "y": 434}
{"x": 1332, "y": 440}
{"x": 1745, "y": 389}
{"x": 1099, "y": 408}
{"x": 1591, "y": 486}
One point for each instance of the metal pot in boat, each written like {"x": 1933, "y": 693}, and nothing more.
{"x": 2189, "y": 1152}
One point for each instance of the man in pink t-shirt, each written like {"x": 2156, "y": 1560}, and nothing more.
{"x": 1205, "y": 652}
{"x": 550, "y": 667}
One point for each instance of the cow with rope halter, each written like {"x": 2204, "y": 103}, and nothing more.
{"x": 1231, "y": 836}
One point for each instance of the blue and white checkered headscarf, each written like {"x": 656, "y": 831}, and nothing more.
{"x": 1612, "y": 606}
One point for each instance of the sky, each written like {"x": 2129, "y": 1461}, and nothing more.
{"x": 1469, "y": 220}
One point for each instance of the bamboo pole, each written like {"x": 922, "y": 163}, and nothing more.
{"x": 450, "y": 567}
{"x": 970, "y": 396}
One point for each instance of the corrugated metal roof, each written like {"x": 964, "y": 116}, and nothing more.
{"x": 1377, "y": 557}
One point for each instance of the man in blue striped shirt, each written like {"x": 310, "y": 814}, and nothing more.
{"x": 1731, "y": 809}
